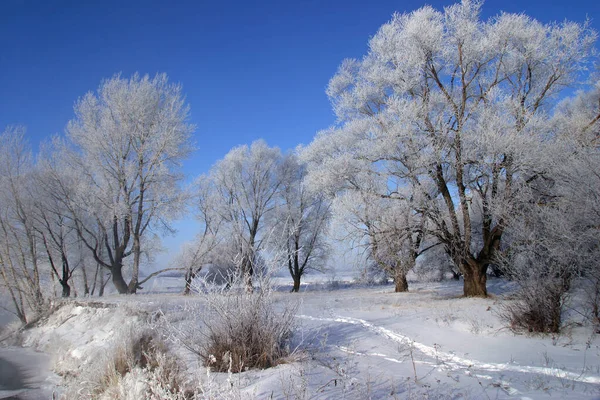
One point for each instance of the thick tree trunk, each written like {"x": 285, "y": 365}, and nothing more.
{"x": 249, "y": 284}
{"x": 137, "y": 251}
{"x": 555, "y": 315}
{"x": 118, "y": 281}
{"x": 66, "y": 289}
{"x": 475, "y": 279}
{"x": 401, "y": 282}
{"x": 296, "y": 287}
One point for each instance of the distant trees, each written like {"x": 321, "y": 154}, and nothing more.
{"x": 455, "y": 108}
{"x": 260, "y": 204}
{"x": 129, "y": 140}
{"x": 204, "y": 249}
{"x": 105, "y": 190}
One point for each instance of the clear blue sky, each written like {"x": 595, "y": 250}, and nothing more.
{"x": 250, "y": 69}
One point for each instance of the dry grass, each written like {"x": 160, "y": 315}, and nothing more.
{"x": 536, "y": 308}
{"x": 233, "y": 330}
{"x": 137, "y": 364}
{"x": 243, "y": 330}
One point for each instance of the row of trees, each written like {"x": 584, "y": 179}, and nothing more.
{"x": 450, "y": 136}
{"x": 254, "y": 206}
{"x": 95, "y": 201}
{"x": 98, "y": 196}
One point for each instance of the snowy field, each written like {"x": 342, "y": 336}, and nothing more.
{"x": 356, "y": 342}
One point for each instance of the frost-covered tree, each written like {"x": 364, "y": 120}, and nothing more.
{"x": 20, "y": 267}
{"x": 456, "y": 108}
{"x": 204, "y": 249}
{"x": 301, "y": 223}
{"x": 54, "y": 227}
{"x": 554, "y": 237}
{"x": 245, "y": 185}
{"x": 129, "y": 138}
{"x": 390, "y": 231}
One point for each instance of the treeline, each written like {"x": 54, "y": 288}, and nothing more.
{"x": 454, "y": 138}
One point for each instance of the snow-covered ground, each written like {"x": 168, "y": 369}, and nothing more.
{"x": 360, "y": 342}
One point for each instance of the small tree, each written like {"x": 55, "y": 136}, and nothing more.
{"x": 54, "y": 227}
{"x": 194, "y": 255}
{"x": 392, "y": 234}
{"x": 554, "y": 236}
{"x": 301, "y": 223}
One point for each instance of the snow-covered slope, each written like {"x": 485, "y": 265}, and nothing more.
{"x": 362, "y": 342}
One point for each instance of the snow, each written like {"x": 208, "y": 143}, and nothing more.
{"x": 361, "y": 342}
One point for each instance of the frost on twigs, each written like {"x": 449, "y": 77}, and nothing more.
{"x": 449, "y": 117}
{"x": 235, "y": 330}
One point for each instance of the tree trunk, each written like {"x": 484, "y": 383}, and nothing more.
{"x": 102, "y": 286}
{"x": 53, "y": 276}
{"x": 401, "y": 282}
{"x": 66, "y": 289}
{"x": 95, "y": 279}
{"x": 86, "y": 287}
{"x": 555, "y": 315}
{"x": 249, "y": 284}
{"x": 296, "y": 287}
{"x": 475, "y": 279}
{"x": 137, "y": 251}
{"x": 189, "y": 277}
{"x": 248, "y": 271}
{"x": 118, "y": 281}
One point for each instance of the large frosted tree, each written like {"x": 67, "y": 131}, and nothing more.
{"x": 129, "y": 138}
{"x": 454, "y": 107}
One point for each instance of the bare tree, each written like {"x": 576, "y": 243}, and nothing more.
{"x": 129, "y": 140}
{"x": 53, "y": 225}
{"x": 194, "y": 255}
{"x": 454, "y": 107}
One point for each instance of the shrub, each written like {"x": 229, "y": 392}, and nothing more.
{"x": 235, "y": 329}
{"x": 537, "y": 306}
{"x": 243, "y": 330}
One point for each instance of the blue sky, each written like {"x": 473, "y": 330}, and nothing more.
{"x": 249, "y": 69}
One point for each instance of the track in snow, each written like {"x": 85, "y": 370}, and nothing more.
{"x": 451, "y": 360}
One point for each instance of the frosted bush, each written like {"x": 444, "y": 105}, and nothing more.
{"x": 235, "y": 329}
